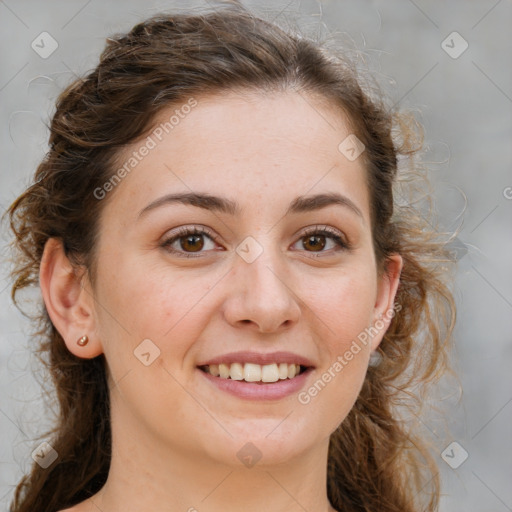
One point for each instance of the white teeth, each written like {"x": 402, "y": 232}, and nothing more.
{"x": 236, "y": 371}
{"x": 270, "y": 373}
{"x": 283, "y": 371}
{"x": 251, "y": 372}
{"x": 224, "y": 371}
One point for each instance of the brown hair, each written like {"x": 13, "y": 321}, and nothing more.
{"x": 375, "y": 462}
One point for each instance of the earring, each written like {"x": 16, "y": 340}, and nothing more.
{"x": 82, "y": 341}
{"x": 375, "y": 358}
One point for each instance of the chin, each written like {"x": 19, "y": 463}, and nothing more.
{"x": 266, "y": 441}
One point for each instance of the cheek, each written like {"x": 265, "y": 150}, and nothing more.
{"x": 141, "y": 302}
{"x": 333, "y": 390}
{"x": 346, "y": 311}
{"x": 346, "y": 304}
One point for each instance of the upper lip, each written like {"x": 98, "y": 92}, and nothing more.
{"x": 258, "y": 358}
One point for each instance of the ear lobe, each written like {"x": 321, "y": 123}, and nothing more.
{"x": 386, "y": 291}
{"x": 69, "y": 305}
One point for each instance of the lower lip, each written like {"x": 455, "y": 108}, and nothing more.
{"x": 255, "y": 391}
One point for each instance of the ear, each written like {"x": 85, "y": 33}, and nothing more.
{"x": 384, "y": 309}
{"x": 69, "y": 303}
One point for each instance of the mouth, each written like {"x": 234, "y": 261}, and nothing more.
{"x": 252, "y": 375}
{"x": 255, "y": 373}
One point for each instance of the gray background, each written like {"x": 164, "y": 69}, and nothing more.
{"x": 465, "y": 105}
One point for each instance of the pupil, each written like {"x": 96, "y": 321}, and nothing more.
{"x": 187, "y": 240}
{"x": 316, "y": 245}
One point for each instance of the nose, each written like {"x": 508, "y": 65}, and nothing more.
{"x": 262, "y": 294}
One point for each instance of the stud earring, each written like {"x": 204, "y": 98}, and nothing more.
{"x": 82, "y": 341}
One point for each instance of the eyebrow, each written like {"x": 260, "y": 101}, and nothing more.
{"x": 300, "y": 204}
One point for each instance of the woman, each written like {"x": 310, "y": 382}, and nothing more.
{"x": 232, "y": 302}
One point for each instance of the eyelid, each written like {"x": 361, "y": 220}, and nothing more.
{"x": 343, "y": 244}
{"x": 339, "y": 237}
{"x": 198, "y": 229}
{"x": 183, "y": 231}
{"x": 324, "y": 228}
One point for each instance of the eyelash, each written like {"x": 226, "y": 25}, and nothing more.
{"x": 199, "y": 230}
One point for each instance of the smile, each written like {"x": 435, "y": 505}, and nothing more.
{"x": 251, "y": 372}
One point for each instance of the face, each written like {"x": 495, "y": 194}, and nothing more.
{"x": 271, "y": 277}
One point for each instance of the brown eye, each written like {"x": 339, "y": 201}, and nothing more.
{"x": 314, "y": 242}
{"x": 188, "y": 241}
{"x": 192, "y": 242}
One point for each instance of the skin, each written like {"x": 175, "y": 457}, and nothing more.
{"x": 175, "y": 436}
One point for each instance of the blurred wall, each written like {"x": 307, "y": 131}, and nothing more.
{"x": 450, "y": 62}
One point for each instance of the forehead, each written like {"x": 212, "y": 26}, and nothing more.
{"x": 281, "y": 118}
{"x": 259, "y": 145}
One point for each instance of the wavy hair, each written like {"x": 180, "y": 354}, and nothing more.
{"x": 375, "y": 460}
